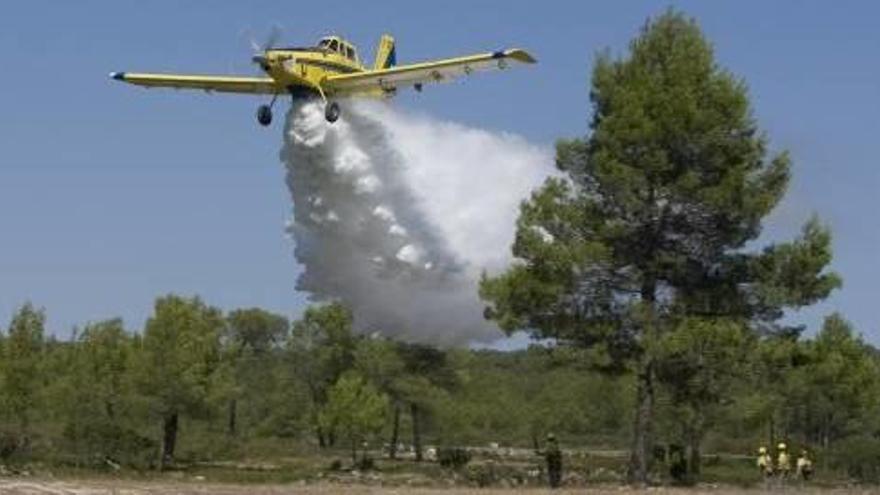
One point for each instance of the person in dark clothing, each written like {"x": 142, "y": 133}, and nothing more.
{"x": 553, "y": 456}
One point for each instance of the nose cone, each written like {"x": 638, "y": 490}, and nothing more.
{"x": 262, "y": 60}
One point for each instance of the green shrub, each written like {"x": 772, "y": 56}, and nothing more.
{"x": 365, "y": 463}
{"x": 482, "y": 475}
{"x": 453, "y": 457}
{"x": 859, "y": 457}
{"x": 97, "y": 443}
{"x": 10, "y": 444}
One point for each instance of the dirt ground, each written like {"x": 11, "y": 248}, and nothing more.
{"x": 105, "y": 487}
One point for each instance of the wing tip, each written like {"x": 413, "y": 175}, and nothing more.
{"x": 521, "y": 55}
{"x": 117, "y": 76}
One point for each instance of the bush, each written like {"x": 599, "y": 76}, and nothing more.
{"x": 859, "y": 457}
{"x": 453, "y": 457}
{"x": 482, "y": 475}
{"x": 10, "y": 444}
{"x": 365, "y": 463}
{"x": 678, "y": 465}
{"x": 97, "y": 443}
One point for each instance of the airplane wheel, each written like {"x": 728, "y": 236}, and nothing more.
{"x": 264, "y": 115}
{"x": 332, "y": 111}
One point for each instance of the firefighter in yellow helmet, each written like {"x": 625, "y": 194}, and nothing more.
{"x": 804, "y": 466}
{"x": 764, "y": 462}
{"x": 783, "y": 461}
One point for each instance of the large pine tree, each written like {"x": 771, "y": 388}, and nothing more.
{"x": 652, "y": 218}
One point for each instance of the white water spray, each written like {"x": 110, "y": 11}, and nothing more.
{"x": 397, "y": 215}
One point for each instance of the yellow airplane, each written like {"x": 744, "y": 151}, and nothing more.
{"x": 330, "y": 70}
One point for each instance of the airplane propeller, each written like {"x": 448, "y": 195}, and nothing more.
{"x": 271, "y": 39}
{"x": 259, "y": 51}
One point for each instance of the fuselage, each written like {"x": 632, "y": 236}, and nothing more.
{"x": 305, "y": 68}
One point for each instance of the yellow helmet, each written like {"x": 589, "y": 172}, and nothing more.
{"x": 781, "y": 446}
{"x": 762, "y": 450}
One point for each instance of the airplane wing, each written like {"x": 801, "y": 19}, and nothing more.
{"x": 224, "y": 84}
{"x": 426, "y": 72}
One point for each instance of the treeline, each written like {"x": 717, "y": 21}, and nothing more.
{"x": 223, "y": 386}
{"x": 216, "y": 382}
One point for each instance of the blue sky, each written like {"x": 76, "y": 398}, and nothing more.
{"x": 111, "y": 195}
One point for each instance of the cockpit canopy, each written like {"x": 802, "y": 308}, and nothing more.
{"x": 340, "y": 46}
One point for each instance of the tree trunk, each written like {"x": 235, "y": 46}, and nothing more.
{"x": 772, "y": 430}
{"x": 169, "y": 439}
{"x": 354, "y": 452}
{"x": 826, "y": 429}
{"x": 395, "y": 432}
{"x": 322, "y": 442}
{"x": 694, "y": 463}
{"x": 642, "y": 442}
{"x": 233, "y": 410}
{"x": 695, "y": 438}
{"x": 416, "y": 433}
{"x": 317, "y": 401}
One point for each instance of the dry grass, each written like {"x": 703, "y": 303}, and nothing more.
{"x": 107, "y": 487}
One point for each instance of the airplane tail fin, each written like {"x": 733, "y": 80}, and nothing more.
{"x": 386, "y": 54}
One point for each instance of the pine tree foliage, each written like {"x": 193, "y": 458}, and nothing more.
{"x": 653, "y": 217}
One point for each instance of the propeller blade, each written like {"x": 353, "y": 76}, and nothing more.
{"x": 246, "y": 34}
{"x": 258, "y": 52}
{"x": 272, "y": 39}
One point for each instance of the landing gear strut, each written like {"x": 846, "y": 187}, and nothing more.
{"x": 332, "y": 111}
{"x": 264, "y": 112}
